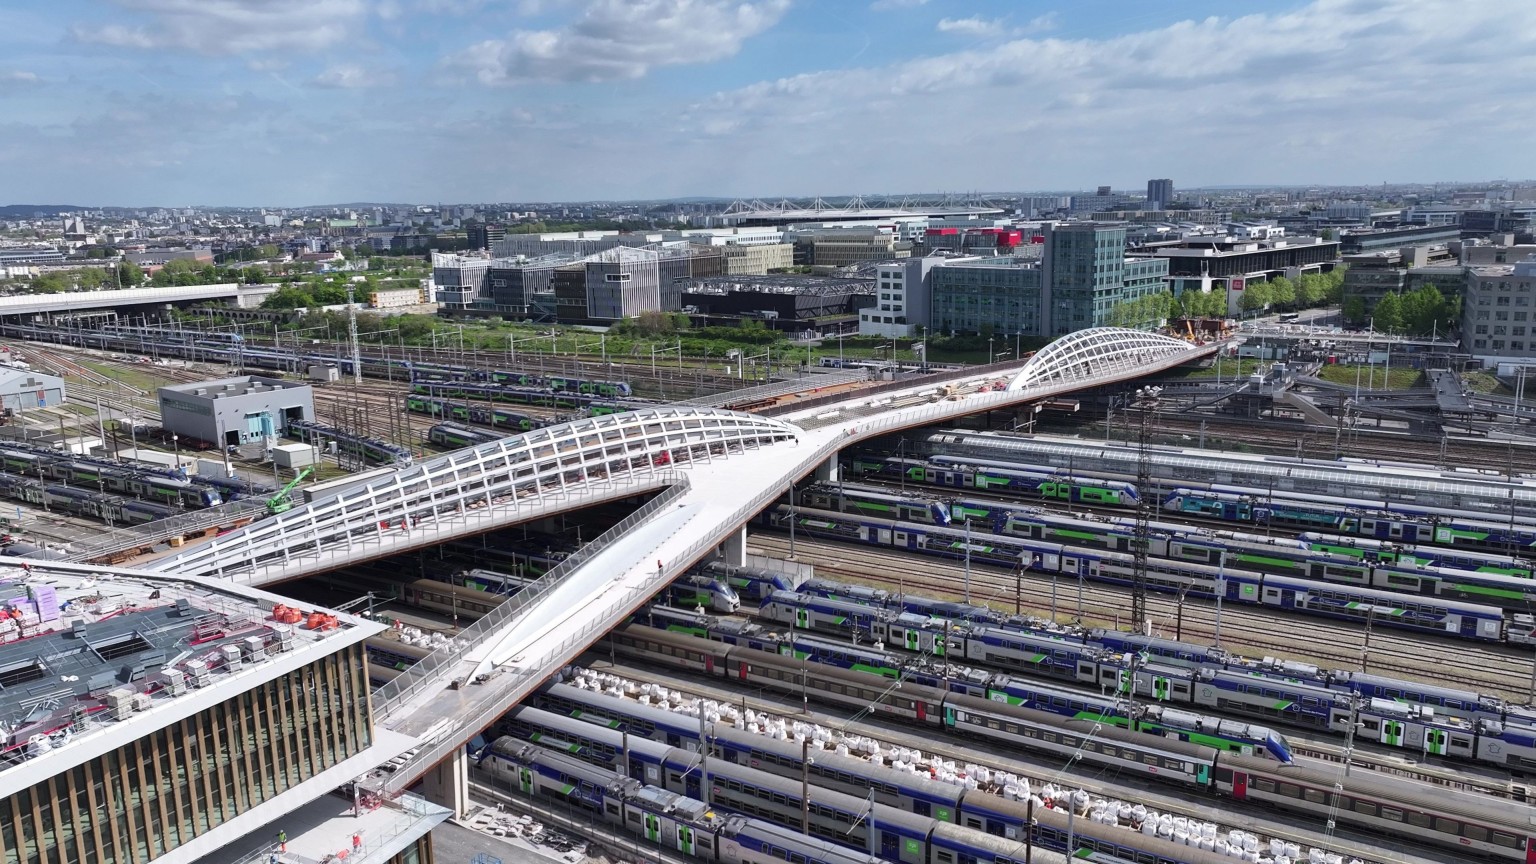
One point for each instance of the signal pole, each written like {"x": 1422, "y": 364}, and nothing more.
{"x": 1146, "y": 402}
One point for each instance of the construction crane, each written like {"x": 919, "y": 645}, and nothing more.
{"x": 282, "y": 502}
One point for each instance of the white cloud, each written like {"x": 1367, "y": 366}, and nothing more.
{"x": 18, "y": 77}
{"x": 1370, "y": 88}
{"x": 973, "y": 26}
{"x": 349, "y": 76}
{"x": 977, "y": 27}
{"x": 623, "y": 39}
{"x": 230, "y": 26}
{"x": 887, "y": 5}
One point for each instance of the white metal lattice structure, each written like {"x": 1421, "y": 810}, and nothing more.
{"x": 1097, "y": 353}
{"x": 553, "y": 469}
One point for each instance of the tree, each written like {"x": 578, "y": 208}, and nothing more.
{"x": 1388, "y": 314}
{"x": 1282, "y": 291}
{"x": 1354, "y": 309}
{"x": 1329, "y": 234}
{"x": 130, "y": 275}
{"x": 1255, "y": 297}
{"x": 1310, "y": 290}
{"x": 90, "y": 279}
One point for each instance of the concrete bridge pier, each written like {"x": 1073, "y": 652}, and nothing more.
{"x": 734, "y": 550}
{"x": 447, "y": 783}
{"x": 827, "y": 472}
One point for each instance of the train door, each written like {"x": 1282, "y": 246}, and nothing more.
{"x": 525, "y": 781}
{"x": 1393, "y": 732}
{"x": 803, "y": 619}
{"x": 652, "y": 827}
{"x": 899, "y": 539}
{"x": 883, "y": 536}
{"x": 890, "y": 845}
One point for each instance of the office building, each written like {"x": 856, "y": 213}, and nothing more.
{"x": 758, "y": 259}
{"x": 168, "y": 718}
{"x": 816, "y": 305}
{"x": 511, "y": 284}
{"x": 1083, "y": 267}
{"x": 232, "y": 411}
{"x": 622, "y": 282}
{"x": 1227, "y": 264}
{"x": 986, "y": 295}
{"x": 1498, "y": 314}
{"x": 1373, "y": 275}
{"x": 903, "y": 300}
{"x": 1159, "y": 194}
{"x": 482, "y": 236}
{"x": 460, "y": 281}
{"x": 1372, "y": 239}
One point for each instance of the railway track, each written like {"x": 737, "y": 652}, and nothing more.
{"x": 1363, "y": 444}
{"x": 1019, "y": 762}
{"x": 1496, "y": 670}
{"x": 1454, "y": 775}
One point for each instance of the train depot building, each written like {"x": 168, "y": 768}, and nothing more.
{"x": 233, "y": 411}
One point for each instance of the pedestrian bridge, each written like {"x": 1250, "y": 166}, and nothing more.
{"x": 715, "y": 470}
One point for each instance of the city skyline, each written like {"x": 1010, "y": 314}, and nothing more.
{"x": 282, "y": 103}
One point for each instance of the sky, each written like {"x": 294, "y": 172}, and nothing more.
{"x": 302, "y": 102}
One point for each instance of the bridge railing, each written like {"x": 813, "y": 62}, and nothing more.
{"x": 424, "y": 672}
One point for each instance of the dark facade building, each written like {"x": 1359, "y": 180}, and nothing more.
{"x": 790, "y": 303}
{"x": 512, "y": 283}
{"x": 482, "y": 236}
{"x": 1159, "y": 194}
{"x": 1370, "y": 240}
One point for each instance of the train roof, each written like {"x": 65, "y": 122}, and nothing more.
{"x": 1438, "y": 799}
{"x": 1166, "y": 746}
{"x": 1394, "y": 476}
{"x": 812, "y": 848}
{"x": 996, "y": 847}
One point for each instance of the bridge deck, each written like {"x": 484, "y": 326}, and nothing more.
{"x": 721, "y": 496}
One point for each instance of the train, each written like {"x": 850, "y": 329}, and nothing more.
{"x": 452, "y": 600}
{"x": 230, "y": 347}
{"x": 1473, "y": 490}
{"x": 1280, "y": 556}
{"x": 934, "y": 666}
{"x": 1181, "y": 673}
{"x": 114, "y": 509}
{"x": 450, "y": 435}
{"x": 745, "y": 817}
{"x": 952, "y": 821}
{"x": 1410, "y": 555}
{"x": 364, "y": 447}
{"x": 485, "y": 415}
{"x": 1045, "y": 484}
{"x": 1393, "y": 520}
{"x": 1439, "y": 817}
{"x": 110, "y": 477}
{"x": 539, "y": 397}
{"x": 1423, "y": 614}
{"x": 1265, "y": 692}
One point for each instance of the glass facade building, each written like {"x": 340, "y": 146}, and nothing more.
{"x": 182, "y": 780}
{"x": 996, "y": 295}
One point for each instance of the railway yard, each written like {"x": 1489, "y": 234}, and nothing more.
{"x": 930, "y": 655}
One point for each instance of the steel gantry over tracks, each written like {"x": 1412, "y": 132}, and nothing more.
{"x": 716, "y": 470}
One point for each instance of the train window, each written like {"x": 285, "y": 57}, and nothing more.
{"x": 1290, "y": 790}
{"x": 1371, "y": 725}
{"x": 1316, "y": 796}
{"x": 1050, "y": 737}
{"x": 1366, "y": 807}
{"x": 613, "y": 808}
{"x": 1506, "y": 840}
{"x": 945, "y": 857}
{"x": 1391, "y": 814}
{"x": 1447, "y": 826}
{"x": 1475, "y": 832}
{"x": 993, "y": 724}
{"x": 635, "y": 818}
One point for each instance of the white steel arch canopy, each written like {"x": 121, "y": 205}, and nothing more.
{"x": 1096, "y": 352}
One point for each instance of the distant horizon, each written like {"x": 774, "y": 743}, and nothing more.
{"x": 960, "y": 202}
{"x": 170, "y": 101}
